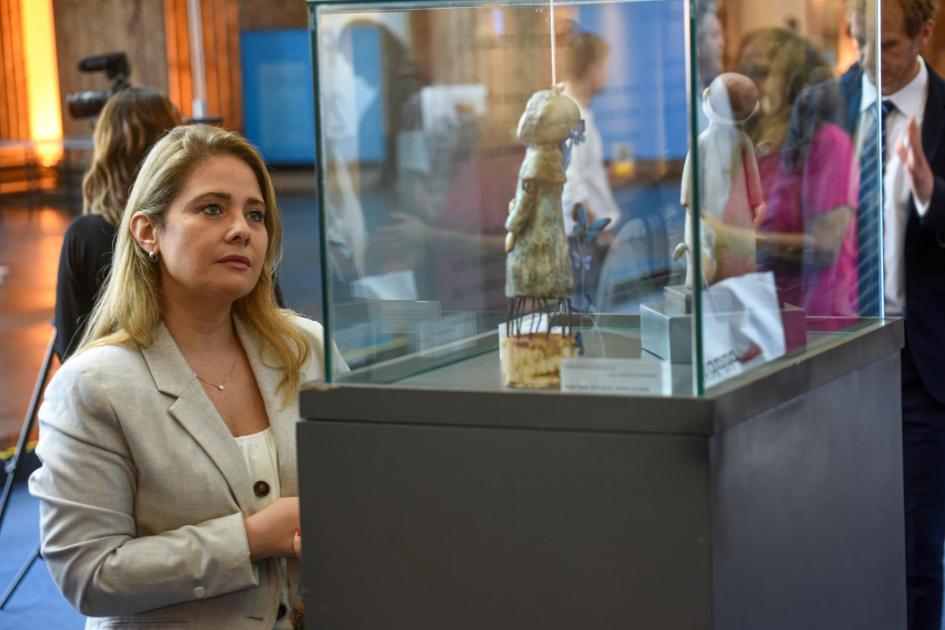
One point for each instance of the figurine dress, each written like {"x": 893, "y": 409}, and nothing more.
{"x": 731, "y": 195}
{"x": 729, "y": 183}
{"x": 539, "y": 263}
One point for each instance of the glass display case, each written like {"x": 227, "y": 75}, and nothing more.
{"x": 690, "y": 226}
{"x": 718, "y": 209}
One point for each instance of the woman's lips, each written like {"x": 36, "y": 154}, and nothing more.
{"x": 236, "y": 262}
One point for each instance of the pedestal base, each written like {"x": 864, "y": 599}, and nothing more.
{"x": 774, "y": 505}
{"x": 534, "y": 361}
{"x": 666, "y": 334}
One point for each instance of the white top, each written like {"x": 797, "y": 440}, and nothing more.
{"x": 909, "y": 101}
{"x": 587, "y": 178}
{"x": 262, "y": 462}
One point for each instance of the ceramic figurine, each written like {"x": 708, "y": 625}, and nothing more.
{"x": 538, "y": 269}
{"x": 730, "y": 187}
{"x": 538, "y": 262}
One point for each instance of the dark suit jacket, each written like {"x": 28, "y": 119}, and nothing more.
{"x": 925, "y": 255}
{"x": 851, "y": 89}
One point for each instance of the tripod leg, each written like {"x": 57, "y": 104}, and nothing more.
{"x": 7, "y": 594}
{"x": 27, "y": 427}
{"x": 7, "y": 489}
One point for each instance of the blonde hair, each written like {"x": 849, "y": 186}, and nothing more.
{"x": 129, "y": 308}
{"x": 129, "y": 124}
{"x": 789, "y": 63}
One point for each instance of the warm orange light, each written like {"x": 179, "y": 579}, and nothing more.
{"x": 42, "y": 79}
{"x": 846, "y": 49}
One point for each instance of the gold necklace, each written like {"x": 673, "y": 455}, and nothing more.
{"x": 220, "y": 386}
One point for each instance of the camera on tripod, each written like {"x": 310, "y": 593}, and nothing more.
{"x": 89, "y": 103}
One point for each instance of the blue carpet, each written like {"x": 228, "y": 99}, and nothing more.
{"x": 37, "y": 603}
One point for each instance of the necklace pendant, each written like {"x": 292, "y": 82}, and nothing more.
{"x": 219, "y": 386}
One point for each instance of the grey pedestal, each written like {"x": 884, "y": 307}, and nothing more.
{"x": 772, "y": 504}
{"x": 666, "y": 333}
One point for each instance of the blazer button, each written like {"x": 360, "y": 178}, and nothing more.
{"x": 261, "y": 488}
{"x": 200, "y": 592}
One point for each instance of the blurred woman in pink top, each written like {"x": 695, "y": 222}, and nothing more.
{"x": 809, "y": 172}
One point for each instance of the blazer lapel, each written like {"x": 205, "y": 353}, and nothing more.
{"x": 196, "y": 414}
{"x": 933, "y": 123}
{"x": 282, "y": 419}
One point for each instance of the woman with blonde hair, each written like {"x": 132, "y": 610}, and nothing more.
{"x": 129, "y": 124}
{"x": 168, "y": 491}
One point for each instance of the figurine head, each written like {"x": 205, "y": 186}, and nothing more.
{"x": 731, "y": 97}
{"x": 548, "y": 118}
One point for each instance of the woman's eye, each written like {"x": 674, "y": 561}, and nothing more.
{"x": 256, "y": 215}
{"x": 213, "y": 209}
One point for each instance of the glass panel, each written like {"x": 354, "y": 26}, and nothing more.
{"x": 418, "y": 115}
{"x": 789, "y": 181}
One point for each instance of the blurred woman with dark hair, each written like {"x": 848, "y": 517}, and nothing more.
{"x": 129, "y": 124}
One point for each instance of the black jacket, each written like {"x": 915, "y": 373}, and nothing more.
{"x": 925, "y": 255}
{"x": 84, "y": 262}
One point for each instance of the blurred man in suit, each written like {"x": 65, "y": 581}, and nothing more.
{"x": 913, "y": 283}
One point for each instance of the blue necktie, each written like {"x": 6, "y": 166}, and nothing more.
{"x": 869, "y": 216}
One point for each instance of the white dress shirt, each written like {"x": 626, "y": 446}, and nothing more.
{"x": 909, "y": 101}
{"x": 587, "y": 178}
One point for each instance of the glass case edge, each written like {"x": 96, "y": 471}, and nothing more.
{"x": 695, "y": 254}
{"x": 328, "y": 354}
{"x": 878, "y": 109}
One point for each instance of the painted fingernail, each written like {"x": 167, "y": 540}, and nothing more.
{"x": 298, "y": 532}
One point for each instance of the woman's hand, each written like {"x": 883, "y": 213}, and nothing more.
{"x": 273, "y": 530}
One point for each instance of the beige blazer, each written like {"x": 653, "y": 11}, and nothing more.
{"x": 143, "y": 489}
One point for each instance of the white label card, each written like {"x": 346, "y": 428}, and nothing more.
{"x": 741, "y": 324}
{"x": 611, "y": 376}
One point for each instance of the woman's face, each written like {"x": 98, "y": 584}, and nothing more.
{"x": 899, "y": 58}
{"x": 755, "y": 63}
{"x": 213, "y": 241}
{"x": 755, "y": 60}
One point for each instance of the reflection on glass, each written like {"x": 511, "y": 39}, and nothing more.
{"x": 419, "y": 108}
{"x": 810, "y": 175}
{"x": 418, "y": 158}
{"x": 817, "y": 232}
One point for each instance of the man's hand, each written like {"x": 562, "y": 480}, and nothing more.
{"x": 917, "y": 166}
